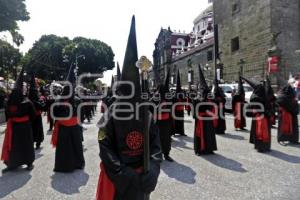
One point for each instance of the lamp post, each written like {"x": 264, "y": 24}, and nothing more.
{"x": 190, "y": 74}
{"x": 207, "y": 68}
{"x": 241, "y": 64}
{"x": 144, "y": 65}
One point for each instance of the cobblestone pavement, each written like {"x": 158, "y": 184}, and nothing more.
{"x": 235, "y": 172}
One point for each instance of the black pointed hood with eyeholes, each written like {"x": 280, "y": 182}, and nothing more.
{"x": 203, "y": 87}
{"x": 33, "y": 94}
{"x": 17, "y": 96}
{"x": 129, "y": 71}
{"x": 259, "y": 94}
{"x": 240, "y": 89}
{"x": 164, "y": 88}
{"x": 217, "y": 91}
{"x": 118, "y": 72}
{"x": 178, "y": 83}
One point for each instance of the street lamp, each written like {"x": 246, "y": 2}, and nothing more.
{"x": 190, "y": 74}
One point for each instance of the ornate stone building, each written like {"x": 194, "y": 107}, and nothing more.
{"x": 177, "y": 50}
{"x": 249, "y": 34}
{"x": 252, "y": 31}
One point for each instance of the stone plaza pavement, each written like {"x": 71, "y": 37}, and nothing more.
{"x": 235, "y": 172}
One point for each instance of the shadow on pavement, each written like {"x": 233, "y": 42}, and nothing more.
{"x": 69, "y": 183}
{"x": 179, "y": 172}
{"x": 181, "y": 142}
{"x": 284, "y": 156}
{"x": 223, "y": 162}
{"x": 231, "y": 136}
{"x": 12, "y": 181}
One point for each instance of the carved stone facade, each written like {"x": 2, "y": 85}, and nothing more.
{"x": 248, "y": 29}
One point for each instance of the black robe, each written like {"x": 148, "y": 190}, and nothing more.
{"x": 37, "y": 123}
{"x": 260, "y": 134}
{"x": 49, "y": 101}
{"x": 220, "y": 123}
{"x": 22, "y": 151}
{"x": 238, "y": 112}
{"x": 208, "y": 144}
{"x": 288, "y": 106}
{"x": 121, "y": 153}
{"x": 69, "y": 149}
{"x": 178, "y": 124}
{"x": 165, "y": 126}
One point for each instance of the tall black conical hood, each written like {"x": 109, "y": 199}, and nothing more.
{"x": 251, "y": 83}
{"x": 16, "y": 96}
{"x": 269, "y": 89}
{"x": 112, "y": 82}
{"x": 240, "y": 89}
{"x": 118, "y": 72}
{"x": 217, "y": 91}
{"x": 130, "y": 72}
{"x": 178, "y": 84}
{"x": 167, "y": 82}
{"x": 19, "y": 83}
{"x": 33, "y": 91}
{"x": 203, "y": 87}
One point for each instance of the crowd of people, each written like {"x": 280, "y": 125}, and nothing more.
{"x": 125, "y": 173}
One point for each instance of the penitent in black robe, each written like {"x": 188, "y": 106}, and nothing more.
{"x": 22, "y": 149}
{"x": 69, "y": 149}
{"x": 121, "y": 153}
{"x": 287, "y": 119}
{"x": 204, "y": 134}
{"x": 164, "y": 123}
{"x": 260, "y": 134}
{"x": 178, "y": 124}
{"x": 220, "y": 123}
{"x": 238, "y": 105}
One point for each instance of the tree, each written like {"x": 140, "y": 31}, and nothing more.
{"x": 99, "y": 57}
{"x": 9, "y": 59}
{"x": 46, "y": 56}
{"x": 11, "y": 12}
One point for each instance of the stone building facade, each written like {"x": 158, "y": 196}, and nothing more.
{"x": 249, "y": 29}
{"x": 184, "y": 52}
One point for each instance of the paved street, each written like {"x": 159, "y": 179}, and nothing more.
{"x": 235, "y": 172}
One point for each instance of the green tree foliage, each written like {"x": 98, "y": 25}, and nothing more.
{"x": 46, "y": 57}
{"x": 12, "y": 11}
{"x": 9, "y": 59}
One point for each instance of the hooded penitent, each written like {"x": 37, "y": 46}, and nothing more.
{"x": 219, "y": 99}
{"x": 287, "y": 115}
{"x": 67, "y": 133}
{"x": 178, "y": 124}
{"x": 37, "y": 124}
{"x": 204, "y": 135}
{"x": 121, "y": 167}
{"x": 203, "y": 87}
{"x": 240, "y": 90}
{"x": 271, "y": 99}
{"x": 260, "y": 134}
{"x": 33, "y": 90}
{"x": 18, "y": 147}
{"x": 16, "y": 95}
{"x": 238, "y": 104}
